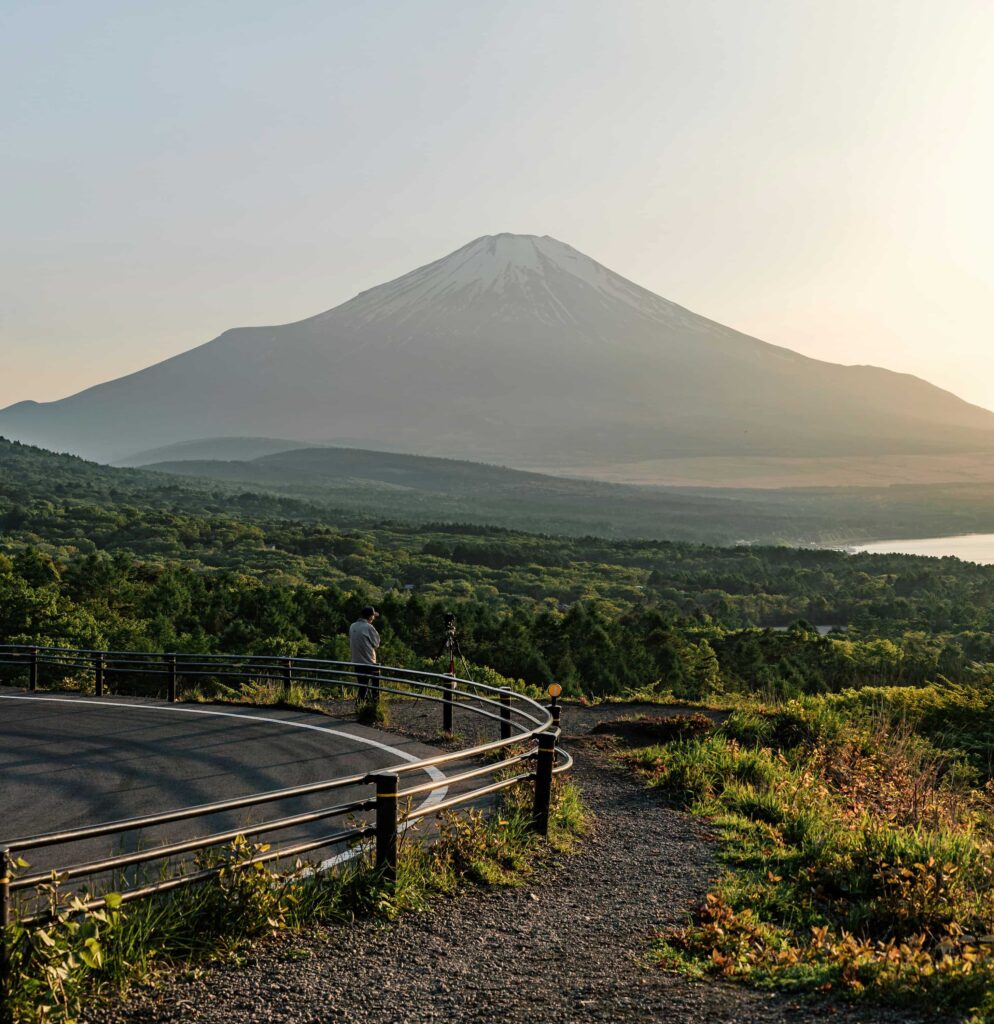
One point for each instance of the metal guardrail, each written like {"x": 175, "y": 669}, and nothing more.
{"x": 518, "y": 718}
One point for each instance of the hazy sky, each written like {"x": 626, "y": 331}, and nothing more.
{"x": 814, "y": 172}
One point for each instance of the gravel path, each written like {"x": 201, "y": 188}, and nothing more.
{"x": 566, "y": 948}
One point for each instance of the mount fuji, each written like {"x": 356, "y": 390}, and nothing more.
{"x": 515, "y": 349}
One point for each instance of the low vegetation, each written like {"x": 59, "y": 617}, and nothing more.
{"x": 76, "y": 959}
{"x": 858, "y": 833}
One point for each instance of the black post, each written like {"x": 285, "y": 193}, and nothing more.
{"x": 6, "y": 863}
{"x": 386, "y": 823}
{"x": 450, "y": 685}
{"x": 556, "y": 710}
{"x": 33, "y": 678}
{"x": 98, "y": 674}
{"x": 505, "y": 713}
{"x": 543, "y": 782}
{"x": 171, "y": 687}
{"x": 287, "y": 677}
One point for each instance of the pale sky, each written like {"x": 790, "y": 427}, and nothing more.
{"x": 814, "y": 172}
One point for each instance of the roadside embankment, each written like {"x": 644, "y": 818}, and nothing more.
{"x": 571, "y": 944}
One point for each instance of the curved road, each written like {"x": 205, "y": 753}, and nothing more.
{"x": 68, "y": 761}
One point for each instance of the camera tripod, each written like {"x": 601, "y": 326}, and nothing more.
{"x": 451, "y": 643}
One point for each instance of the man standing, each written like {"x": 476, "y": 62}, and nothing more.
{"x": 363, "y": 641}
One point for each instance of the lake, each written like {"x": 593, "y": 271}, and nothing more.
{"x": 972, "y": 547}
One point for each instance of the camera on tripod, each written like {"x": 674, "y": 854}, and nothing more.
{"x": 450, "y": 645}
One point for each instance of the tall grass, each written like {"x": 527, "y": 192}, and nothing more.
{"x": 859, "y": 854}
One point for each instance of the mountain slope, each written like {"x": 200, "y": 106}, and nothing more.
{"x": 514, "y": 349}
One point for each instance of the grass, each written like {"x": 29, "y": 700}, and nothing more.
{"x": 858, "y": 852}
{"x": 78, "y": 958}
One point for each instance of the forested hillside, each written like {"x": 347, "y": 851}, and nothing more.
{"x": 93, "y": 556}
{"x": 420, "y": 489}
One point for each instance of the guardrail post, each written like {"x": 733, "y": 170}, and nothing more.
{"x": 33, "y": 672}
{"x": 287, "y": 677}
{"x": 543, "y": 782}
{"x": 505, "y": 713}
{"x": 387, "y": 784}
{"x": 171, "y": 682}
{"x": 556, "y": 710}
{"x": 98, "y": 674}
{"x": 6, "y": 864}
{"x": 450, "y": 685}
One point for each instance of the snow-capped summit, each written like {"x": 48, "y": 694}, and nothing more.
{"x": 510, "y": 276}
{"x": 516, "y": 349}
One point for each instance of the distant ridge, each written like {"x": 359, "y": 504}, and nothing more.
{"x": 350, "y": 488}
{"x": 519, "y": 350}
{"x": 221, "y": 448}
{"x": 340, "y": 465}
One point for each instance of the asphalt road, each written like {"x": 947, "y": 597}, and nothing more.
{"x": 68, "y": 761}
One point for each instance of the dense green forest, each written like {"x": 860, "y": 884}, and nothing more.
{"x": 101, "y": 557}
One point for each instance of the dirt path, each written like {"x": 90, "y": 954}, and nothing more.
{"x": 567, "y": 948}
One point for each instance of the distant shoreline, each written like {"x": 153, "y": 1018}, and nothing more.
{"x": 969, "y": 547}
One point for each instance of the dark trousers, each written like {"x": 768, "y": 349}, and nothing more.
{"x": 368, "y": 680}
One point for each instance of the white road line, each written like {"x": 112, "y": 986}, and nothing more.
{"x": 435, "y": 774}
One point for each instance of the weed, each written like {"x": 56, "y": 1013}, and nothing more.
{"x": 78, "y": 956}
{"x": 372, "y": 711}
{"x": 859, "y": 855}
